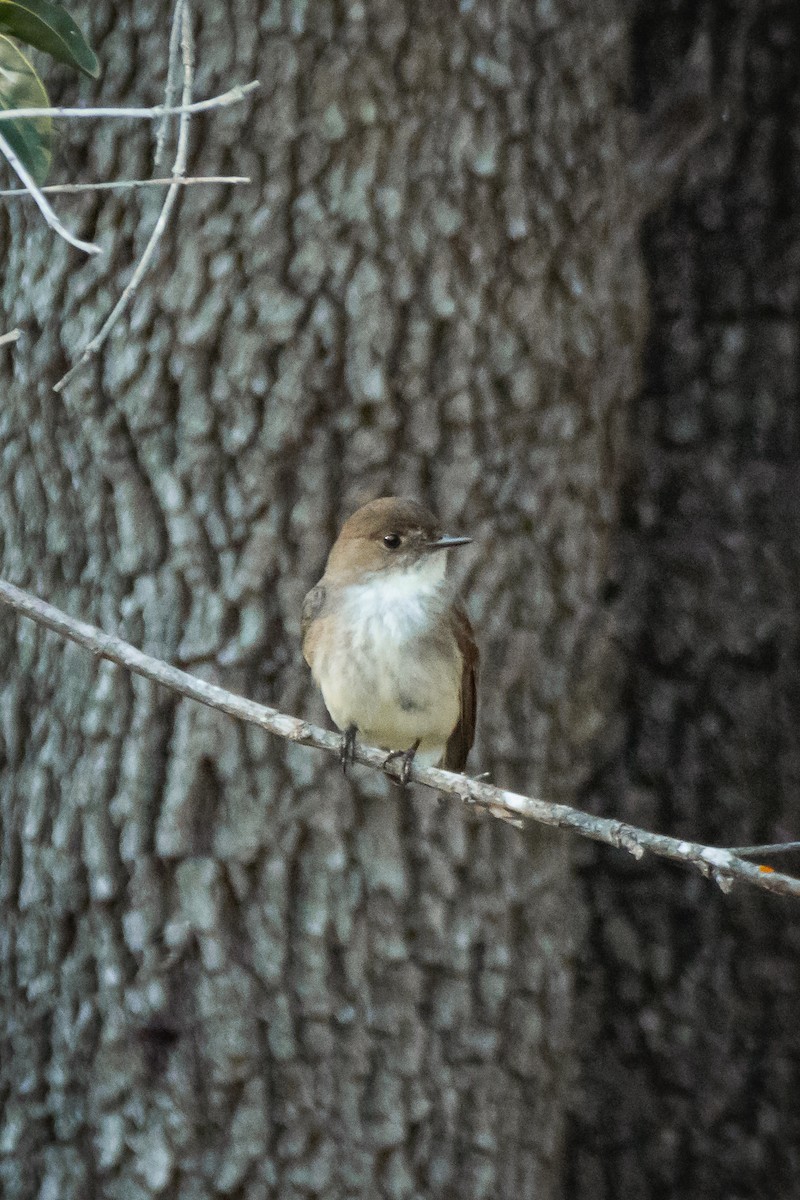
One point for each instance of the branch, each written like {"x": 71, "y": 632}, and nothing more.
{"x": 8, "y": 339}
{"x": 182, "y": 18}
{"x": 722, "y": 865}
{"x": 170, "y": 91}
{"x": 67, "y": 189}
{"x": 146, "y": 114}
{"x": 35, "y": 191}
{"x": 761, "y": 851}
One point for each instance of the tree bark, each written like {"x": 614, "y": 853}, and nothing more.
{"x": 688, "y": 999}
{"x": 226, "y": 971}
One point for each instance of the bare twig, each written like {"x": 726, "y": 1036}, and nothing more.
{"x": 233, "y": 96}
{"x": 763, "y": 851}
{"x": 31, "y": 186}
{"x": 724, "y": 866}
{"x": 173, "y": 62}
{"x": 68, "y": 189}
{"x": 183, "y": 15}
{"x": 13, "y": 335}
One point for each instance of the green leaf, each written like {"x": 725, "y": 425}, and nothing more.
{"x": 48, "y": 27}
{"x": 20, "y": 87}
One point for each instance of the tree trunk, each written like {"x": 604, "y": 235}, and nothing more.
{"x": 225, "y": 970}
{"x": 690, "y": 997}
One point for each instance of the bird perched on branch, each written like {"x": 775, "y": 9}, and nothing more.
{"x": 388, "y": 642}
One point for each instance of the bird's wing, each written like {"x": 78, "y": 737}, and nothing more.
{"x": 312, "y": 607}
{"x": 460, "y": 741}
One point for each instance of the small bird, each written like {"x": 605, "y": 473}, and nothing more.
{"x": 388, "y": 642}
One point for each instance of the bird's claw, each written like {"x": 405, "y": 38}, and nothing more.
{"x": 347, "y": 749}
{"x": 407, "y": 757}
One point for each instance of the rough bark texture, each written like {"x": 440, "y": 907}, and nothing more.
{"x": 690, "y": 998}
{"x": 225, "y": 972}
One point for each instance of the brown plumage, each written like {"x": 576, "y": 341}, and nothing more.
{"x": 460, "y": 741}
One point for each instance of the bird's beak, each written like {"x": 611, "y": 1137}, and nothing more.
{"x": 446, "y": 543}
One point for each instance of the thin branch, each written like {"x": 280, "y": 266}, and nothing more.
{"x": 233, "y": 96}
{"x": 68, "y": 189}
{"x": 761, "y": 851}
{"x": 173, "y": 62}
{"x": 13, "y": 335}
{"x": 719, "y": 864}
{"x": 183, "y": 14}
{"x": 31, "y": 186}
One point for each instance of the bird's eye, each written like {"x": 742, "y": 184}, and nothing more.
{"x": 392, "y": 540}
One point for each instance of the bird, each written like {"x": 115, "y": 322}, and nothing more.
{"x": 389, "y": 643}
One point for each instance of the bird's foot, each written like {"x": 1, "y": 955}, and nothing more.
{"x": 347, "y": 749}
{"x": 407, "y": 757}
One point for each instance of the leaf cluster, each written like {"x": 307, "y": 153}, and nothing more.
{"x": 49, "y": 27}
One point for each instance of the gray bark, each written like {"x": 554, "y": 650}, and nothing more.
{"x": 689, "y": 998}
{"x": 225, "y": 971}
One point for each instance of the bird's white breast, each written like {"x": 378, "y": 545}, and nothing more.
{"x": 385, "y": 670}
{"x": 402, "y": 603}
